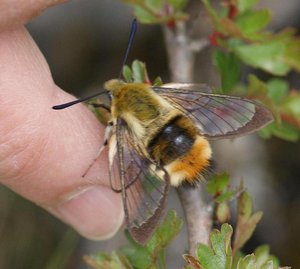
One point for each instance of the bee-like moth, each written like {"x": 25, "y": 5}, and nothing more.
{"x": 158, "y": 136}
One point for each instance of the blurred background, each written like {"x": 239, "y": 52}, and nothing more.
{"x": 84, "y": 43}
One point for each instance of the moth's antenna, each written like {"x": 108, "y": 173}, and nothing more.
{"x": 62, "y": 106}
{"x": 129, "y": 44}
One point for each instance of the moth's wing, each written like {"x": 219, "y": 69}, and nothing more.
{"x": 217, "y": 116}
{"x": 204, "y": 88}
{"x": 144, "y": 185}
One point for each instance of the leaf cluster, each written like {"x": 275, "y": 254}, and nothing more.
{"x": 135, "y": 256}
{"x": 220, "y": 254}
{"x": 240, "y": 38}
{"x": 158, "y": 11}
{"x": 137, "y": 73}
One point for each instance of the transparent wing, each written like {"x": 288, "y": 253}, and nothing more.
{"x": 144, "y": 185}
{"x": 217, "y": 116}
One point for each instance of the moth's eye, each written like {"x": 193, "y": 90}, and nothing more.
{"x": 110, "y": 96}
{"x": 169, "y": 130}
{"x": 179, "y": 139}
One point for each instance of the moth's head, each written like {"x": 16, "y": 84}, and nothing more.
{"x": 113, "y": 85}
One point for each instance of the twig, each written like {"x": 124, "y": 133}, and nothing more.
{"x": 198, "y": 212}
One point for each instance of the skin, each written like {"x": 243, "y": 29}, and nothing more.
{"x": 43, "y": 152}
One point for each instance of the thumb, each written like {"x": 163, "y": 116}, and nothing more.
{"x": 43, "y": 152}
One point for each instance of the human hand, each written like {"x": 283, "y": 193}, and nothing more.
{"x": 43, "y": 152}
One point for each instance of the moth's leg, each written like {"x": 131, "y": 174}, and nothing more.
{"x": 106, "y": 107}
{"x": 112, "y": 151}
{"x": 107, "y": 136}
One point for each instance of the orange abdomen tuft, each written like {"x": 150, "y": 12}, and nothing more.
{"x": 190, "y": 166}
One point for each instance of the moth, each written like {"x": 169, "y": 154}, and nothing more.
{"x": 158, "y": 136}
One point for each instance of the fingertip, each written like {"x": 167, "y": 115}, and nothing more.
{"x": 95, "y": 212}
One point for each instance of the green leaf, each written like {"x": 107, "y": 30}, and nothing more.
{"x": 229, "y": 67}
{"x": 157, "y": 82}
{"x": 177, "y": 4}
{"x": 143, "y": 15}
{"x": 223, "y": 212}
{"x": 262, "y": 254}
{"x": 277, "y": 89}
{"x": 154, "y": 4}
{"x": 244, "y": 5}
{"x": 219, "y": 255}
{"x": 138, "y": 71}
{"x": 138, "y": 256}
{"x": 218, "y": 184}
{"x": 165, "y": 233}
{"x": 251, "y": 22}
{"x": 192, "y": 261}
{"x": 284, "y": 131}
{"x": 104, "y": 261}
{"x": 246, "y": 222}
{"x": 127, "y": 74}
{"x": 158, "y": 11}
{"x": 268, "y": 56}
{"x": 226, "y": 196}
{"x": 248, "y": 262}
{"x": 146, "y": 257}
{"x": 257, "y": 87}
{"x": 292, "y": 105}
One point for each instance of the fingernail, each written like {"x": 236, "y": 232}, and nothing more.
{"x": 95, "y": 212}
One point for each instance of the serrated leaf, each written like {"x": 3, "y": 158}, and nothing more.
{"x": 219, "y": 255}
{"x": 229, "y": 68}
{"x": 246, "y": 222}
{"x": 268, "y": 56}
{"x": 244, "y": 5}
{"x": 251, "y": 22}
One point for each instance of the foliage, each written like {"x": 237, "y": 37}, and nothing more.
{"x": 222, "y": 253}
{"x": 240, "y": 38}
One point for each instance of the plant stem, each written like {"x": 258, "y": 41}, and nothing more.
{"x": 198, "y": 212}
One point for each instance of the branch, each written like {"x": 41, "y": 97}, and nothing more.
{"x": 198, "y": 212}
